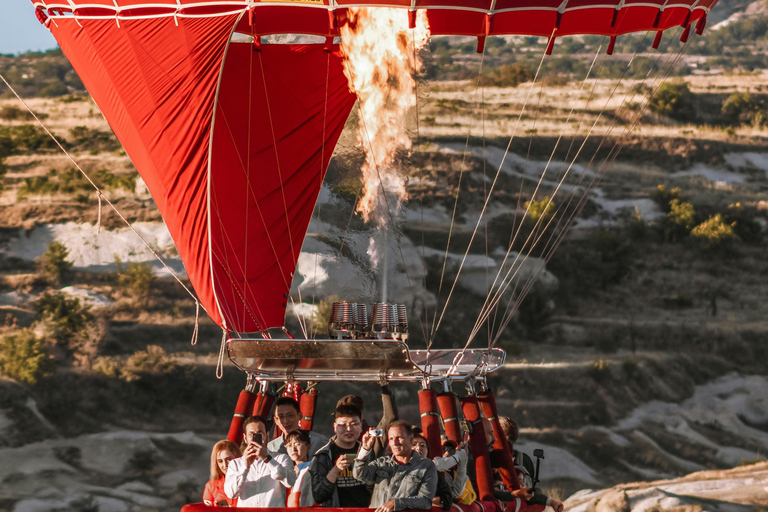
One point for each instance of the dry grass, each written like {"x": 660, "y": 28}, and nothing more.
{"x": 61, "y": 116}
{"x": 459, "y": 108}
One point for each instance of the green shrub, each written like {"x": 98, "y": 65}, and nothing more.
{"x": 674, "y": 100}
{"x": 107, "y": 366}
{"x": 89, "y": 139}
{"x": 714, "y": 232}
{"x": 54, "y": 89}
{"x": 134, "y": 279}
{"x": 71, "y": 181}
{"x": 23, "y": 356}
{"x": 111, "y": 181}
{"x": 744, "y": 108}
{"x": 53, "y": 264}
{"x": 323, "y": 315}
{"x": 11, "y": 113}
{"x": 152, "y": 360}
{"x": 348, "y": 189}
{"x": 24, "y": 137}
{"x": 677, "y": 302}
{"x": 662, "y": 197}
{"x": 540, "y": 209}
{"x": 510, "y": 75}
{"x": 679, "y": 221}
{"x": 64, "y": 318}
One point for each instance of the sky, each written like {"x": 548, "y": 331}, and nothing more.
{"x": 19, "y": 29}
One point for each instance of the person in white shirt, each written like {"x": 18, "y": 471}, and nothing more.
{"x": 257, "y": 478}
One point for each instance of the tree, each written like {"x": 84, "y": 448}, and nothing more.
{"x": 64, "y": 317}
{"x": 680, "y": 220}
{"x": 715, "y": 232}
{"x": 135, "y": 279}
{"x": 23, "y": 356}
{"x": 674, "y": 100}
{"x": 540, "y": 209}
{"x": 53, "y": 264}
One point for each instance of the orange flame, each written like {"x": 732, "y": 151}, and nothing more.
{"x": 381, "y": 56}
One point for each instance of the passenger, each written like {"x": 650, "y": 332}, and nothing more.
{"x": 287, "y": 416}
{"x": 223, "y": 452}
{"x": 511, "y": 432}
{"x": 535, "y": 500}
{"x": 538, "y": 501}
{"x": 443, "y": 496}
{"x": 297, "y": 444}
{"x": 388, "y": 415}
{"x": 332, "y": 482}
{"x": 403, "y": 480}
{"x": 454, "y": 463}
{"x": 258, "y": 478}
{"x": 523, "y": 477}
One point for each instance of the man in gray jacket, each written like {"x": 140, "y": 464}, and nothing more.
{"x": 404, "y": 480}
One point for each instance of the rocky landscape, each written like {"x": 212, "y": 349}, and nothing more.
{"x": 637, "y": 355}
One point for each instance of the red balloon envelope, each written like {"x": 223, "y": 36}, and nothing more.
{"x": 233, "y": 139}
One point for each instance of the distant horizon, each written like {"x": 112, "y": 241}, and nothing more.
{"x": 20, "y": 32}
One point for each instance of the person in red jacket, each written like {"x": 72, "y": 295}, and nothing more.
{"x": 223, "y": 452}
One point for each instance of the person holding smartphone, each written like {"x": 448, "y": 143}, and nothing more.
{"x": 258, "y": 479}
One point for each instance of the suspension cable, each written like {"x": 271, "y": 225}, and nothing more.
{"x": 102, "y": 196}
{"x": 558, "y": 235}
{"x": 490, "y": 193}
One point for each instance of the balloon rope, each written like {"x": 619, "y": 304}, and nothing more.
{"x": 313, "y": 332}
{"x": 220, "y": 361}
{"x": 490, "y": 305}
{"x": 98, "y": 219}
{"x": 507, "y": 315}
{"x": 247, "y": 175}
{"x": 423, "y": 318}
{"x": 302, "y": 321}
{"x": 487, "y": 199}
{"x": 196, "y": 332}
{"x": 101, "y": 194}
{"x": 556, "y": 236}
{"x": 225, "y": 233}
{"x": 559, "y": 236}
{"x": 462, "y": 168}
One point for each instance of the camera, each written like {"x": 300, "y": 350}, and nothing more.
{"x": 257, "y": 438}
{"x": 377, "y": 432}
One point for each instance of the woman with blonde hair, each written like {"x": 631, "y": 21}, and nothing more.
{"x": 223, "y": 452}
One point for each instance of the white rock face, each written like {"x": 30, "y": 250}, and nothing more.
{"x": 40, "y": 481}
{"x": 708, "y": 491}
{"x": 322, "y": 271}
{"x": 560, "y": 463}
{"x": 94, "y": 250}
{"x": 722, "y": 403}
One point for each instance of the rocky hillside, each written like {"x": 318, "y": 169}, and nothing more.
{"x": 741, "y": 489}
{"x": 639, "y": 353}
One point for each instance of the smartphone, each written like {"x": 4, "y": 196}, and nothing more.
{"x": 377, "y": 432}
{"x": 257, "y": 438}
